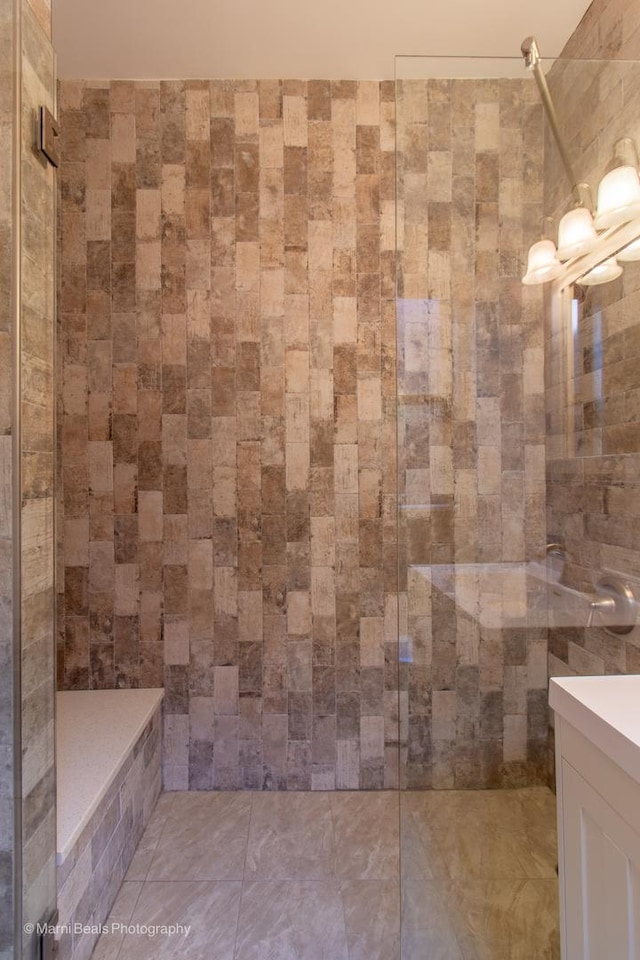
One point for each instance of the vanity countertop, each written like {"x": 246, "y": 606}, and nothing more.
{"x": 606, "y": 711}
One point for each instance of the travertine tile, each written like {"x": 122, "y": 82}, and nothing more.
{"x": 454, "y": 138}
{"x": 247, "y": 374}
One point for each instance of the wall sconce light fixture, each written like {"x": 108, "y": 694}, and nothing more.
{"x": 589, "y": 246}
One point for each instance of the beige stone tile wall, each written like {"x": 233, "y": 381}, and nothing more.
{"x": 592, "y": 378}
{"x": 471, "y": 427}
{"x": 227, "y": 421}
{"x": 610, "y": 29}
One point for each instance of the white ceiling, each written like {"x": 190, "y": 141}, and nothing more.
{"x": 347, "y": 39}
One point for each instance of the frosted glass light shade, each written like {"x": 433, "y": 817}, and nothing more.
{"x": 604, "y": 272}
{"x": 576, "y": 234}
{"x": 618, "y": 198}
{"x": 542, "y": 264}
{"x": 630, "y": 253}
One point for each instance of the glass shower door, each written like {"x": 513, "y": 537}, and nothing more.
{"x": 27, "y": 444}
{"x": 9, "y": 707}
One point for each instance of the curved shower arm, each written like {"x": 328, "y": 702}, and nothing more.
{"x": 531, "y": 54}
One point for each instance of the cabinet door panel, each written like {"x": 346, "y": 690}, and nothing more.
{"x": 601, "y": 875}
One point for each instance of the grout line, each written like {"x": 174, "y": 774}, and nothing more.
{"x": 160, "y": 835}
{"x": 246, "y": 852}
{"x": 336, "y": 879}
{"x": 235, "y": 939}
{"x": 155, "y": 847}
{"x": 131, "y": 915}
{"x": 334, "y": 848}
{"x": 244, "y": 868}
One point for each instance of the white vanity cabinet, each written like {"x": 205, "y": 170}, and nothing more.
{"x": 597, "y": 724}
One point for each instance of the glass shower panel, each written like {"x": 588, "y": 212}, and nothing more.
{"x": 519, "y": 453}
{"x": 471, "y": 459}
{"x": 471, "y": 423}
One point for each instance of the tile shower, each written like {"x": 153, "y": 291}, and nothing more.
{"x": 232, "y": 367}
{"x": 228, "y": 368}
{"x": 228, "y": 415}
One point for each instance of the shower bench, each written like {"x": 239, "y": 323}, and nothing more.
{"x": 108, "y": 780}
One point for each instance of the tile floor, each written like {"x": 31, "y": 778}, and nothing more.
{"x": 318, "y": 876}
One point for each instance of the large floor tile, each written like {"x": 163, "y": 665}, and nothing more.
{"x": 482, "y": 834}
{"x": 321, "y": 877}
{"x": 366, "y": 827}
{"x": 291, "y": 920}
{"x": 372, "y": 918}
{"x": 474, "y": 919}
{"x": 430, "y": 922}
{"x": 204, "y": 838}
{"x": 209, "y": 909}
{"x": 509, "y": 920}
{"x": 291, "y": 837}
